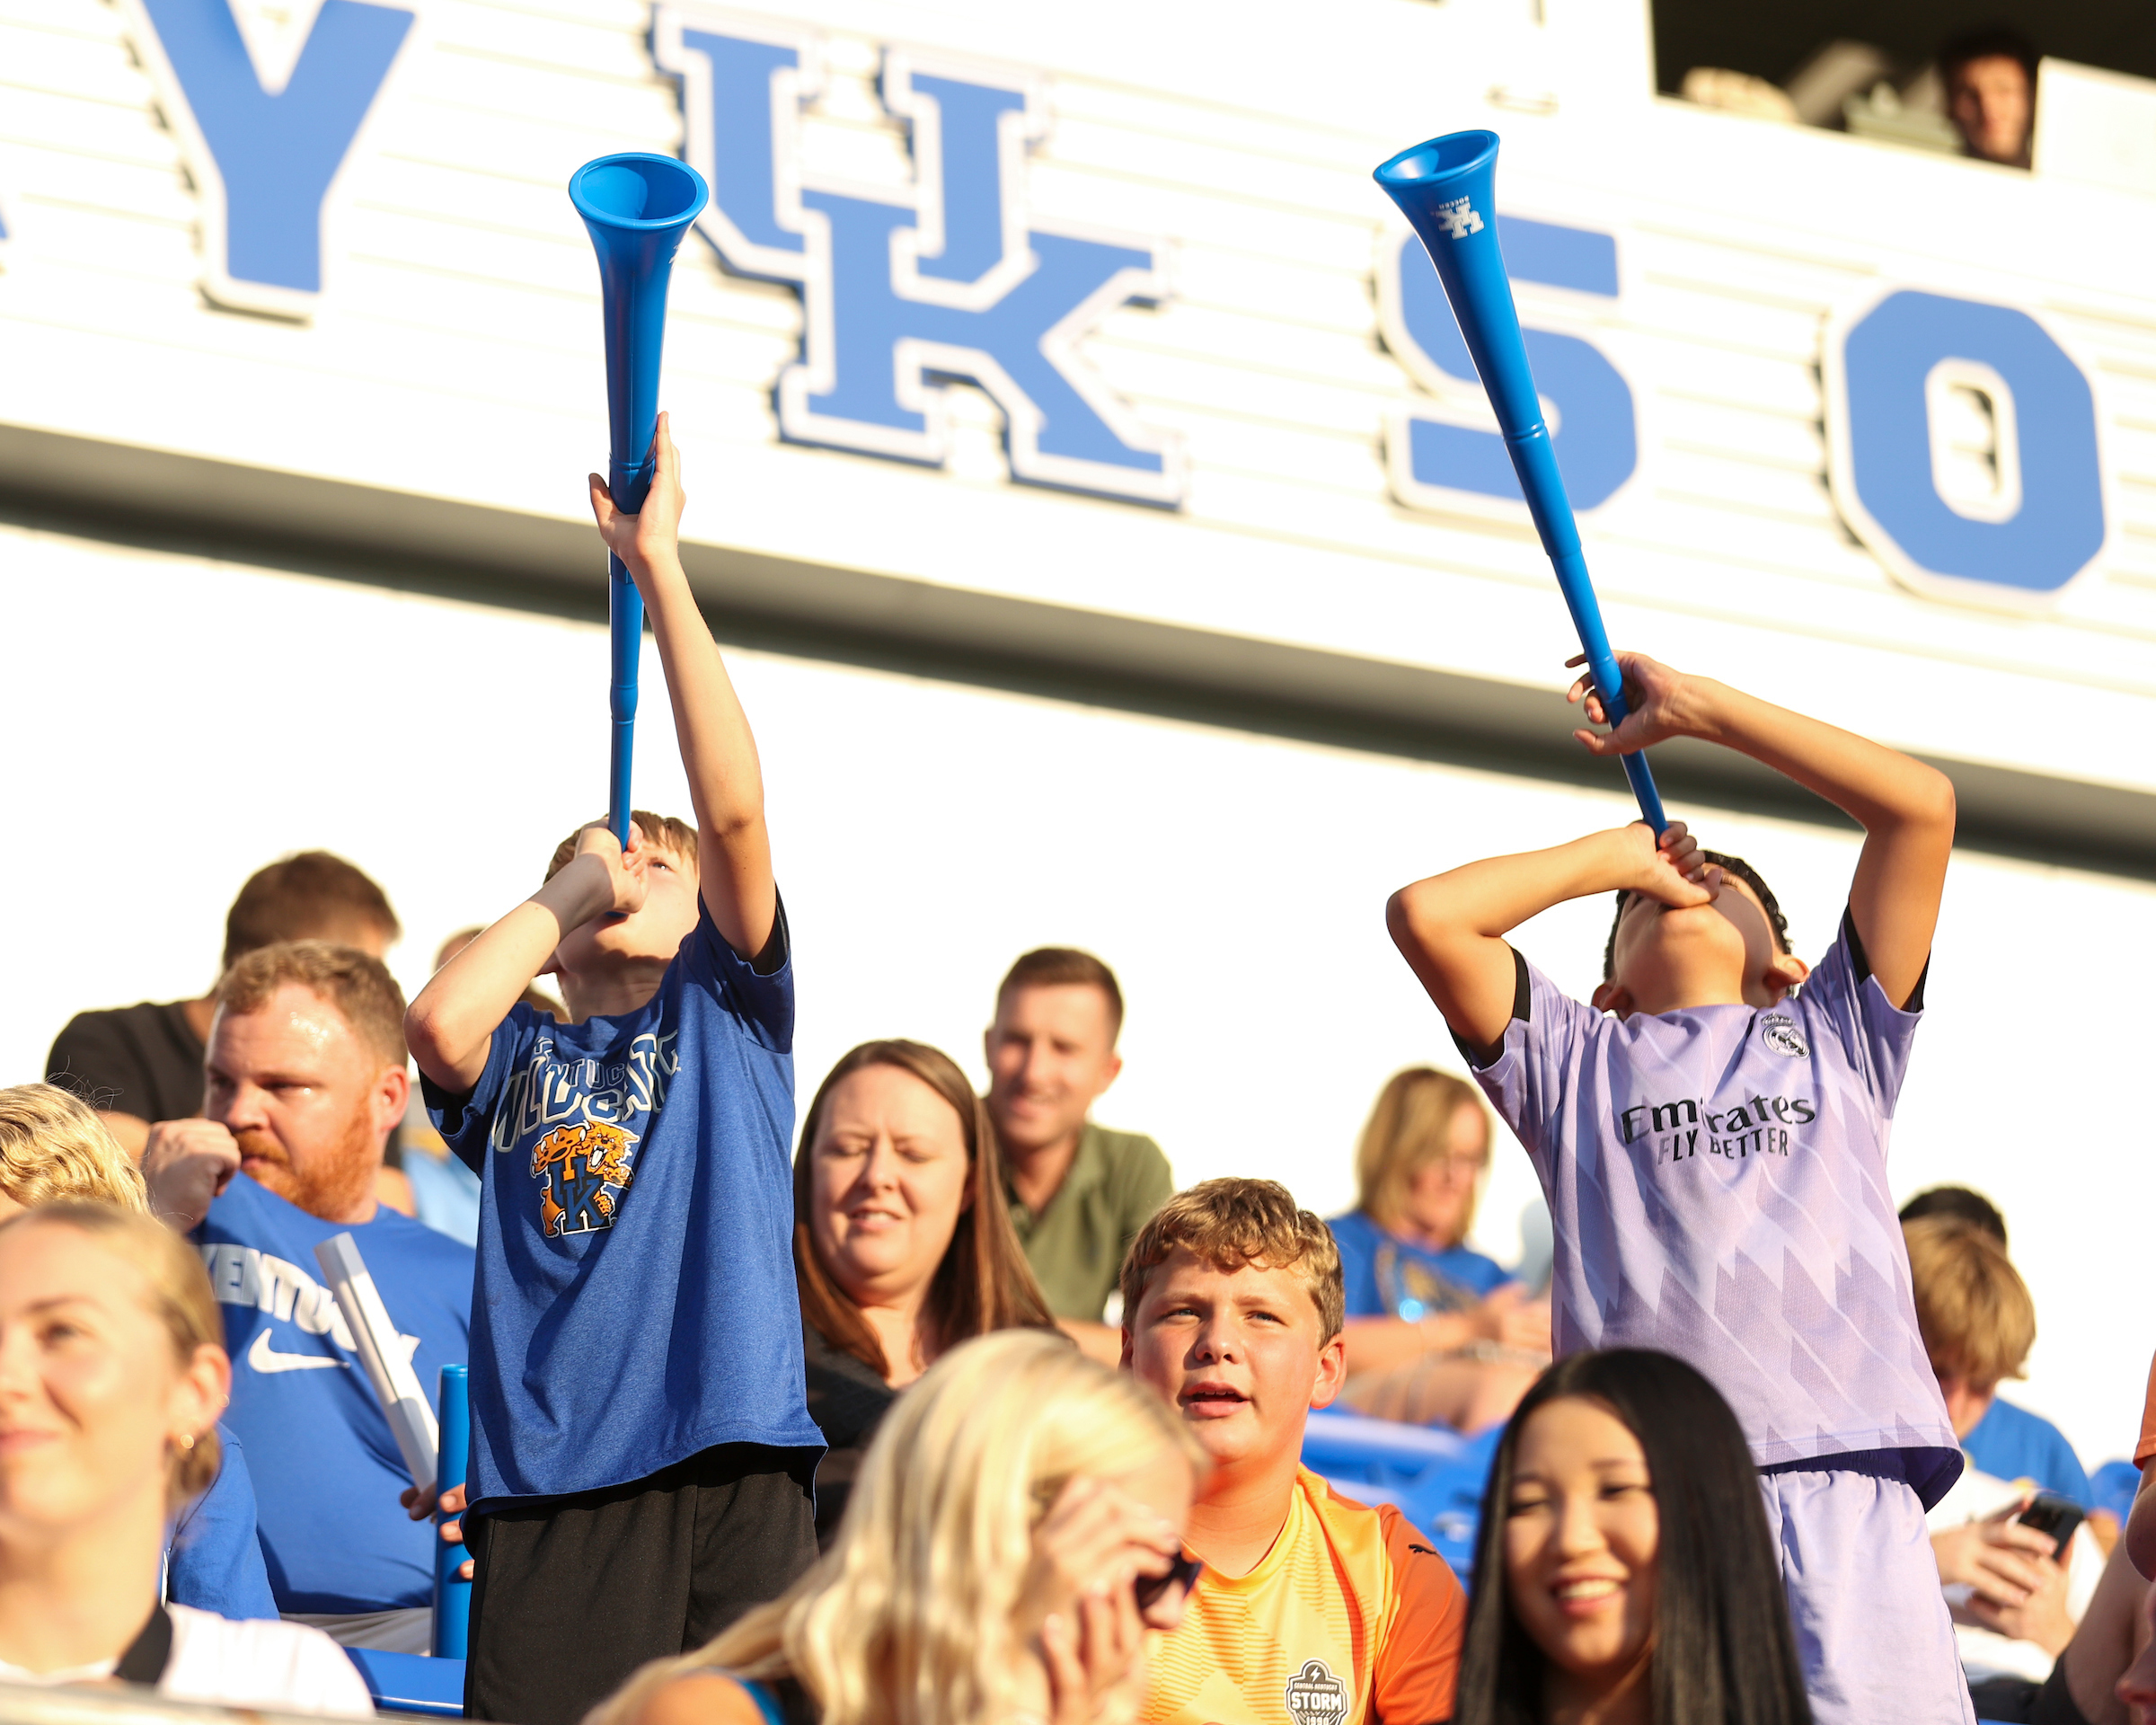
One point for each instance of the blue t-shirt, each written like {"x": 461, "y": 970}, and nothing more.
{"x": 327, "y": 1473}
{"x": 2010, "y": 1443}
{"x": 636, "y": 1301}
{"x": 215, "y": 1562}
{"x": 1391, "y": 1277}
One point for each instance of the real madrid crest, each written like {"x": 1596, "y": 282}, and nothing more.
{"x": 1779, "y": 1031}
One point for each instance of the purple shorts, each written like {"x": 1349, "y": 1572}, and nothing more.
{"x": 1872, "y": 1631}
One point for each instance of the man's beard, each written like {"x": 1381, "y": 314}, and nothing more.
{"x": 336, "y": 1182}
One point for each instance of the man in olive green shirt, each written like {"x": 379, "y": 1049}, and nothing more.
{"x": 1079, "y": 1194}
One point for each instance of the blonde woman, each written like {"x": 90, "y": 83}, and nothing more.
{"x": 1437, "y": 1333}
{"x": 112, "y": 1374}
{"x": 1015, "y": 1530}
{"x": 54, "y": 1148}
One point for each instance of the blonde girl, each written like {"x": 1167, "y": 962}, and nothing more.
{"x": 1015, "y": 1530}
{"x": 112, "y": 1373}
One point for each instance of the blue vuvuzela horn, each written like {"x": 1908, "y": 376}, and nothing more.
{"x": 636, "y": 209}
{"x": 1445, "y": 189}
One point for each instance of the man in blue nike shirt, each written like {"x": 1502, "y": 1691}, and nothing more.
{"x": 305, "y": 1079}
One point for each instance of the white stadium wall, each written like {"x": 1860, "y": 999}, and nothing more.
{"x": 1228, "y": 509}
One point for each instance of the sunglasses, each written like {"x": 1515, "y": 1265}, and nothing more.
{"x": 1148, "y": 1590}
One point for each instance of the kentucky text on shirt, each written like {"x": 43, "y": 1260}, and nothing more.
{"x": 242, "y": 1276}
{"x": 549, "y": 1091}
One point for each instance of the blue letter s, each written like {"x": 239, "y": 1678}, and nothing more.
{"x": 1443, "y": 463}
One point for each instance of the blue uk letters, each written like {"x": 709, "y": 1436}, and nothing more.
{"x": 901, "y": 295}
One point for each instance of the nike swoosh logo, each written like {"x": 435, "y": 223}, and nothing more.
{"x": 263, "y": 1358}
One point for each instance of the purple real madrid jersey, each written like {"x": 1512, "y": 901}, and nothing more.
{"x": 1717, "y": 1179}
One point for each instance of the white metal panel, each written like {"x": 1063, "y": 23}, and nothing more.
{"x": 1244, "y": 136}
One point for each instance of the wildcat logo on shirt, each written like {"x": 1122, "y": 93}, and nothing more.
{"x": 1315, "y": 1696}
{"x": 582, "y": 1171}
{"x": 1413, "y": 1290}
{"x": 582, "y": 1122}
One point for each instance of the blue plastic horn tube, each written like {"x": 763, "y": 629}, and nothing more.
{"x": 1446, "y": 188}
{"x": 636, "y": 208}
{"x": 452, "y": 1593}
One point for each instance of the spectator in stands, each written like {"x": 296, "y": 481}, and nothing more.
{"x": 110, "y": 1379}
{"x": 1978, "y": 1324}
{"x": 1625, "y": 1570}
{"x": 1437, "y": 1333}
{"x": 902, "y": 1245}
{"x": 2014, "y": 1608}
{"x": 1079, "y": 1194}
{"x": 143, "y": 1063}
{"x": 54, "y": 1148}
{"x": 1232, "y": 1310}
{"x": 2136, "y": 1686}
{"x": 2141, "y": 1524}
{"x": 1991, "y": 80}
{"x": 306, "y": 1078}
{"x": 1970, "y": 1206}
{"x": 1012, "y": 1536}
{"x": 2095, "y": 1680}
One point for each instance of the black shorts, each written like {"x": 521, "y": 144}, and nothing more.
{"x": 2016, "y": 1701}
{"x": 570, "y": 1595}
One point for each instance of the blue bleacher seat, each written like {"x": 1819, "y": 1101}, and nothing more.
{"x": 2112, "y": 1487}
{"x": 404, "y": 1683}
{"x": 1433, "y": 1475}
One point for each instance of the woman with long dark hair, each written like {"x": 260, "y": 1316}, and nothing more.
{"x": 1625, "y": 1573}
{"x": 903, "y": 1246}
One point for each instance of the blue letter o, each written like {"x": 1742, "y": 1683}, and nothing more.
{"x": 1887, "y": 356}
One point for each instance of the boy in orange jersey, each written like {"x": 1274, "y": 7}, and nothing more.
{"x": 1312, "y": 1609}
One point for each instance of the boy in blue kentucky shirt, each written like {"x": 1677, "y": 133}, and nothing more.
{"x": 642, "y": 1452}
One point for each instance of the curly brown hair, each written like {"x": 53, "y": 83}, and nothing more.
{"x": 1232, "y": 1221}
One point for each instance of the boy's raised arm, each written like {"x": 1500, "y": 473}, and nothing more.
{"x": 450, "y": 1027}
{"x": 1905, "y": 808}
{"x": 1450, "y": 928}
{"x": 719, "y": 751}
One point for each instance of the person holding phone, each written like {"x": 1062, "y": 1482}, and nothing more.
{"x": 2015, "y": 1565}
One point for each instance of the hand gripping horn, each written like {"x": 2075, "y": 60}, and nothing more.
{"x": 636, "y": 209}
{"x": 1445, "y": 189}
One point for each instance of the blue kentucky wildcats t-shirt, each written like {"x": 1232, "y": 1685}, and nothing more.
{"x": 327, "y": 1473}
{"x": 635, "y": 1301}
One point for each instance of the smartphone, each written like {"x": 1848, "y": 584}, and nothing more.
{"x": 2055, "y": 1515}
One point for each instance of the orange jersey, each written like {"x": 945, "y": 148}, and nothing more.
{"x": 1351, "y": 1619}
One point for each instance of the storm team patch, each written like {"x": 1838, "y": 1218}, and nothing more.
{"x": 1780, "y": 1034}
{"x": 582, "y": 1170}
{"x": 1315, "y": 1696}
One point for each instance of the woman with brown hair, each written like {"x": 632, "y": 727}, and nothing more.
{"x": 903, "y": 1246}
{"x": 112, "y": 1371}
{"x": 1437, "y": 1333}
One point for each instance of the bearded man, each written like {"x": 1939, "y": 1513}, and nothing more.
{"x": 304, "y": 1081}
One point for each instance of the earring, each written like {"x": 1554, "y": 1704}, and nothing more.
{"x": 187, "y": 1440}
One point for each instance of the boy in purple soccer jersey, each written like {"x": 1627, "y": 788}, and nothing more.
{"x": 1714, "y": 1152}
